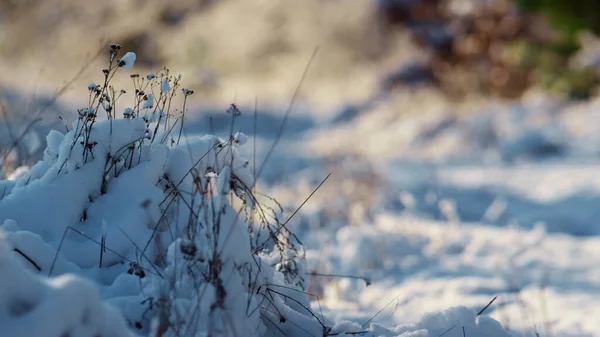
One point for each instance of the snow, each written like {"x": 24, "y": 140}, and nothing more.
{"x": 164, "y": 86}
{"x": 57, "y": 218}
{"x": 60, "y": 306}
{"x": 457, "y": 230}
{"x": 127, "y": 60}
{"x": 150, "y": 236}
{"x": 149, "y": 102}
{"x": 471, "y": 209}
{"x": 150, "y": 227}
{"x": 460, "y": 265}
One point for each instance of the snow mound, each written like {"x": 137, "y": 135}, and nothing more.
{"x": 457, "y": 321}
{"x": 167, "y": 226}
{"x": 53, "y": 307}
{"x": 161, "y": 213}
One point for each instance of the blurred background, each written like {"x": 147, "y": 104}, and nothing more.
{"x": 464, "y": 48}
{"x": 451, "y": 55}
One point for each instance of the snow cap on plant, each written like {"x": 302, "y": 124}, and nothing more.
{"x": 164, "y": 86}
{"x": 127, "y": 60}
{"x": 149, "y": 102}
{"x": 240, "y": 138}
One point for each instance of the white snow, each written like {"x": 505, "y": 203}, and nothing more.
{"x": 150, "y": 227}
{"x": 425, "y": 219}
{"x": 63, "y": 306}
{"x": 127, "y": 60}
{"x": 164, "y": 86}
{"x": 149, "y": 102}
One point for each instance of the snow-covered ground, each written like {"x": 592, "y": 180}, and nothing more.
{"x": 425, "y": 219}
{"x": 509, "y": 208}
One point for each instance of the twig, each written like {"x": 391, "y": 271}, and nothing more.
{"x": 380, "y": 310}
{"x": 287, "y": 113}
{"x": 17, "y": 250}
{"x": 445, "y": 332}
{"x": 487, "y": 306}
{"x": 54, "y": 98}
{"x": 366, "y": 279}
{"x": 348, "y": 333}
{"x": 300, "y": 304}
{"x": 291, "y": 216}
{"x": 94, "y": 241}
